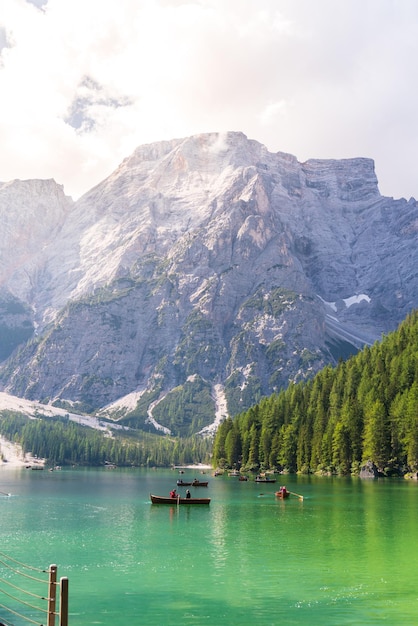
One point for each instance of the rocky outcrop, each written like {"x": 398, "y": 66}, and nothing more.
{"x": 207, "y": 256}
{"x": 369, "y": 470}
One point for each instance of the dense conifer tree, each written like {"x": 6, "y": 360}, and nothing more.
{"x": 366, "y": 408}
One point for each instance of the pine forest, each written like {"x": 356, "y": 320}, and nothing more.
{"x": 365, "y": 409}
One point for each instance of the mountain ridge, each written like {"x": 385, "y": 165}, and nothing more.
{"x": 205, "y": 257}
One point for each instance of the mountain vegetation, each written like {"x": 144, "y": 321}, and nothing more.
{"x": 184, "y": 411}
{"x": 364, "y": 409}
{"x": 62, "y": 442}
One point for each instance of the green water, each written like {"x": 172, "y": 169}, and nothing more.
{"x": 346, "y": 554}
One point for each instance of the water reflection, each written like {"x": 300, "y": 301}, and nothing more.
{"x": 219, "y": 553}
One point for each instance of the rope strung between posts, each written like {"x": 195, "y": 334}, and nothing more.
{"x": 5, "y": 622}
{"x": 35, "y": 569}
{"x": 38, "y": 596}
{"x": 34, "y": 595}
{"x": 28, "y": 593}
{"x": 31, "y": 606}
{"x": 28, "y": 619}
{"x": 16, "y": 571}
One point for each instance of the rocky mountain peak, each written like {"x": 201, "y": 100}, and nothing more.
{"x": 348, "y": 180}
{"x": 200, "y": 263}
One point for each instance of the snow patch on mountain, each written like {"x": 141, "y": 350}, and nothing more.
{"x": 362, "y": 297}
{"x": 34, "y": 410}
{"x": 150, "y": 419}
{"x": 124, "y": 404}
{"x": 356, "y": 299}
{"x": 221, "y": 410}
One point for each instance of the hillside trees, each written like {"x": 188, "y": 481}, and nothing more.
{"x": 62, "y": 442}
{"x": 364, "y": 409}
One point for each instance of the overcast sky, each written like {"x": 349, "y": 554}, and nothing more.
{"x": 84, "y": 82}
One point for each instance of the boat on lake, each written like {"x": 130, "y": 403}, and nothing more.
{"x": 264, "y": 479}
{"x": 177, "y": 500}
{"x": 282, "y": 493}
{"x": 193, "y": 483}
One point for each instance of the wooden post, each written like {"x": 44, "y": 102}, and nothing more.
{"x": 52, "y": 594}
{"x": 64, "y": 601}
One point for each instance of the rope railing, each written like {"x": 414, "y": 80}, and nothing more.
{"x": 5, "y": 622}
{"x": 24, "y": 617}
{"x": 47, "y": 611}
{"x": 34, "y": 569}
{"x": 38, "y": 580}
{"x": 29, "y": 593}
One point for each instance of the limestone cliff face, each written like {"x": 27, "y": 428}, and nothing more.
{"x": 206, "y": 256}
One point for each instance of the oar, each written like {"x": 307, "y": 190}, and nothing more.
{"x": 296, "y": 494}
{"x": 3, "y": 493}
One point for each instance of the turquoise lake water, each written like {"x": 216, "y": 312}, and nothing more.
{"x": 346, "y": 554}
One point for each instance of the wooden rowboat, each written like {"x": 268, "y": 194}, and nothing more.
{"x": 282, "y": 494}
{"x": 265, "y": 480}
{"x": 178, "y": 500}
{"x": 193, "y": 483}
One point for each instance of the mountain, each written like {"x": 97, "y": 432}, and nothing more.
{"x": 201, "y": 275}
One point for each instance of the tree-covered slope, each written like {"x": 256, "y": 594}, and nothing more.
{"x": 364, "y": 409}
{"x": 63, "y": 442}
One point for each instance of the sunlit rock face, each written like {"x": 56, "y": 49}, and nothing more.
{"x": 206, "y": 258}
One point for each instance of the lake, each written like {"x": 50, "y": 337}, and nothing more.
{"x": 346, "y": 554}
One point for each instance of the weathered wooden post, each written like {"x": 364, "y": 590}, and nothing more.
{"x": 52, "y": 594}
{"x": 64, "y": 601}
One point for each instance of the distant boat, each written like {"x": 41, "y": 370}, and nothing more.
{"x": 193, "y": 483}
{"x": 233, "y": 473}
{"x": 242, "y": 478}
{"x": 178, "y": 500}
{"x": 264, "y": 479}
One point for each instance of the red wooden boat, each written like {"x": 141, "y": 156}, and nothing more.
{"x": 282, "y": 493}
{"x": 178, "y": 500}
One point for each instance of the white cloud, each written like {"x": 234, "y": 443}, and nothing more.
{"x": 84, "y": 83}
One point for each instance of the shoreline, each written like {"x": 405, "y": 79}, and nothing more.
{"x": 199, "y": 466}
{"x": 11, "y": 455}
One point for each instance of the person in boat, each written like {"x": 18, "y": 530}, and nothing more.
{"x": 173, "y": 493}
{"x": 283, "y": 490}
{"x": 188, "y": 494}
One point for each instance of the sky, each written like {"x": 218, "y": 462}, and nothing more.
{"x": 84, "y": 82}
